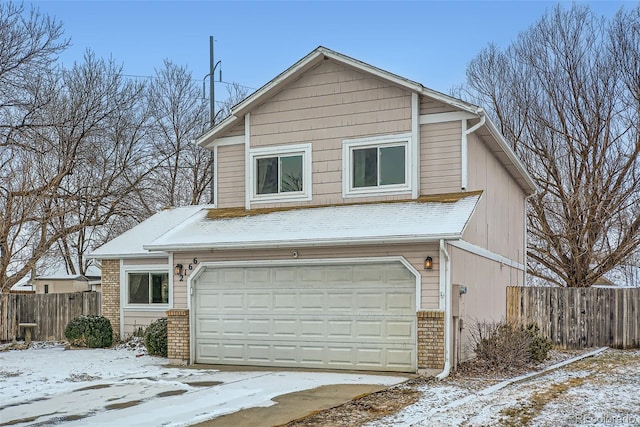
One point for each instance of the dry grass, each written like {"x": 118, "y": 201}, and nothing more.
{"x": 523, "y": 414}
{"x": 224, "y": 213}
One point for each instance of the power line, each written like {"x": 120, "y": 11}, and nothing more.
{"x": 192, "y": 80}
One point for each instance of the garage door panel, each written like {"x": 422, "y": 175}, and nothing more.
{"x": 312, "y": 328}
{"x": 229, "y": 301}
{"x": 285, "y": 328}
{"x": 285, "y": 353}
{"x": 258, "y": 301}
{"x": 400, "y": 330}
{"x": 331, "y": 316}
{"x": 339, "y": 329}
{"x": 341, "y": 356}
{"x": 340, "y": 301}
{"x": 370, "y": 357}
{"x": 285, "y": 301}
{"x": 400, "y": 301}
{"x": 399, "y": 357}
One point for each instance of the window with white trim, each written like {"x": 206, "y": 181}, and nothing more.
{"x": 147, "y": 287}
{"x": 376, "y": 165}
{"x": 281, "y": 173}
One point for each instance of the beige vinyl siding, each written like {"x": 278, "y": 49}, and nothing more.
{"x": 498, "y": 221}
{"x": 231, "y": 176}
{"x": 133, "y": 319}
{"x": 431, "y": 106}
{"x": 486, "y": 282}
{"x": 325, "y": 106}
{"x": 145, "y": 261}
{"x": 414, "y": 254}
{"x": 440, "y": 162}
{"x": 237, "y": 130}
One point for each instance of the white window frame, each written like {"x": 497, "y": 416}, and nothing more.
{"x": 280, "y": 151}
{"x": 140, "y": 269}
{"x": 348, "y": 145}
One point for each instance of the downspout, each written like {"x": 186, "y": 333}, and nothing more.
{"x": 447, "y": 311}
{"x": 464, "y": 155}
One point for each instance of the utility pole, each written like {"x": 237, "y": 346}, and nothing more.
{"x": 212, "y": 113}
{"x": 212, "y": 105}
{"x": 212, "y": 91}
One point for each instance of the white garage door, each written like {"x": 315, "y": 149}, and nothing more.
{"x": 321, "y": 316}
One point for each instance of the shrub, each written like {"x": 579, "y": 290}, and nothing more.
{"x": 505, "y": 346}
{"x": 89, "y": 331}
{"x": 155, "y": 337}
{"x": 540, "y": 346}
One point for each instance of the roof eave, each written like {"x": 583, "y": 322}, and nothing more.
{"x": 158, "y": 254}
{"x": 532, "y": 187}
{"x": 304, "y": 243}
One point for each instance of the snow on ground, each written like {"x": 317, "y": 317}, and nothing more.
{"x": 596, "y": 391}
{"x": 49, "y": 385}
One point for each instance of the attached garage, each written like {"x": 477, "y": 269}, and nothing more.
{"x": 334, "y": 315}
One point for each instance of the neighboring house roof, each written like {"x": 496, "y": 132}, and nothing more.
{"x": 23, "y": 285}
{"x": 330, "y": 225}
{"x": 129, "y": 244}
{"x": 92, "y": 273}
{"x": 499, "y": 146}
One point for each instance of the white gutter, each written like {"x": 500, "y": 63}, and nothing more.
{"x": 346, "y": 241}
{"x": 464, "y": 155}
{"x": 447, "y": 311}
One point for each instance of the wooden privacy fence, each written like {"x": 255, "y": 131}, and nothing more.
{"x": 579, "y": 317}
{"x": 50, "y": 312}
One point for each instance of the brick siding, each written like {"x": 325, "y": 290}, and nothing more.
{"x": 431, "y": 340}
{"x": 111, "y": 294}
{"x": 178, "y": 336}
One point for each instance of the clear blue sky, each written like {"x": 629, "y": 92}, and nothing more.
{"x": 427, "y": 41}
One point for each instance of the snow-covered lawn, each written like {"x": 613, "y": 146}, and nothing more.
{"x": 603, "y": 390}
{"x": 47, "y": 385}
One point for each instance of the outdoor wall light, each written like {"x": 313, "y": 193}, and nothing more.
{"x": 178, "y": 269}
{"x": 428, "y": 263}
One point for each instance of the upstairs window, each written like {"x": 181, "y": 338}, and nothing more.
{"x": 281, "y": 173}
{"x": 376, "y": 165}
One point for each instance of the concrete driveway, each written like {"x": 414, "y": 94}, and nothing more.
{"x": 108, "y": 387}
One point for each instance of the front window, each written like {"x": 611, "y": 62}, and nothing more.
{"x": 148, "y": 288}
{"x": 281, "y": 173}
{"x": 376, "y": 165}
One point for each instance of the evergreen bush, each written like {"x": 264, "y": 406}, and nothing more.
{"x": 155, "y": 337}
{"x": 89, "y": 331}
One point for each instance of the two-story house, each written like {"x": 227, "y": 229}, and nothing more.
{"x": 360, "y": 221}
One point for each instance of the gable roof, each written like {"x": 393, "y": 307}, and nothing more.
{"x": 310, "y": 61}
{"x": 498, "y": 145}
{"x": 397, "y": 222}
{"x": 130, "y": 243}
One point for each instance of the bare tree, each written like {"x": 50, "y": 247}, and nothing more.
{"x": 179, "y": 115}
{"x": 73, "y": 168}
{"x": 105, "y": 114}
{"x": 567, "y": 95}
